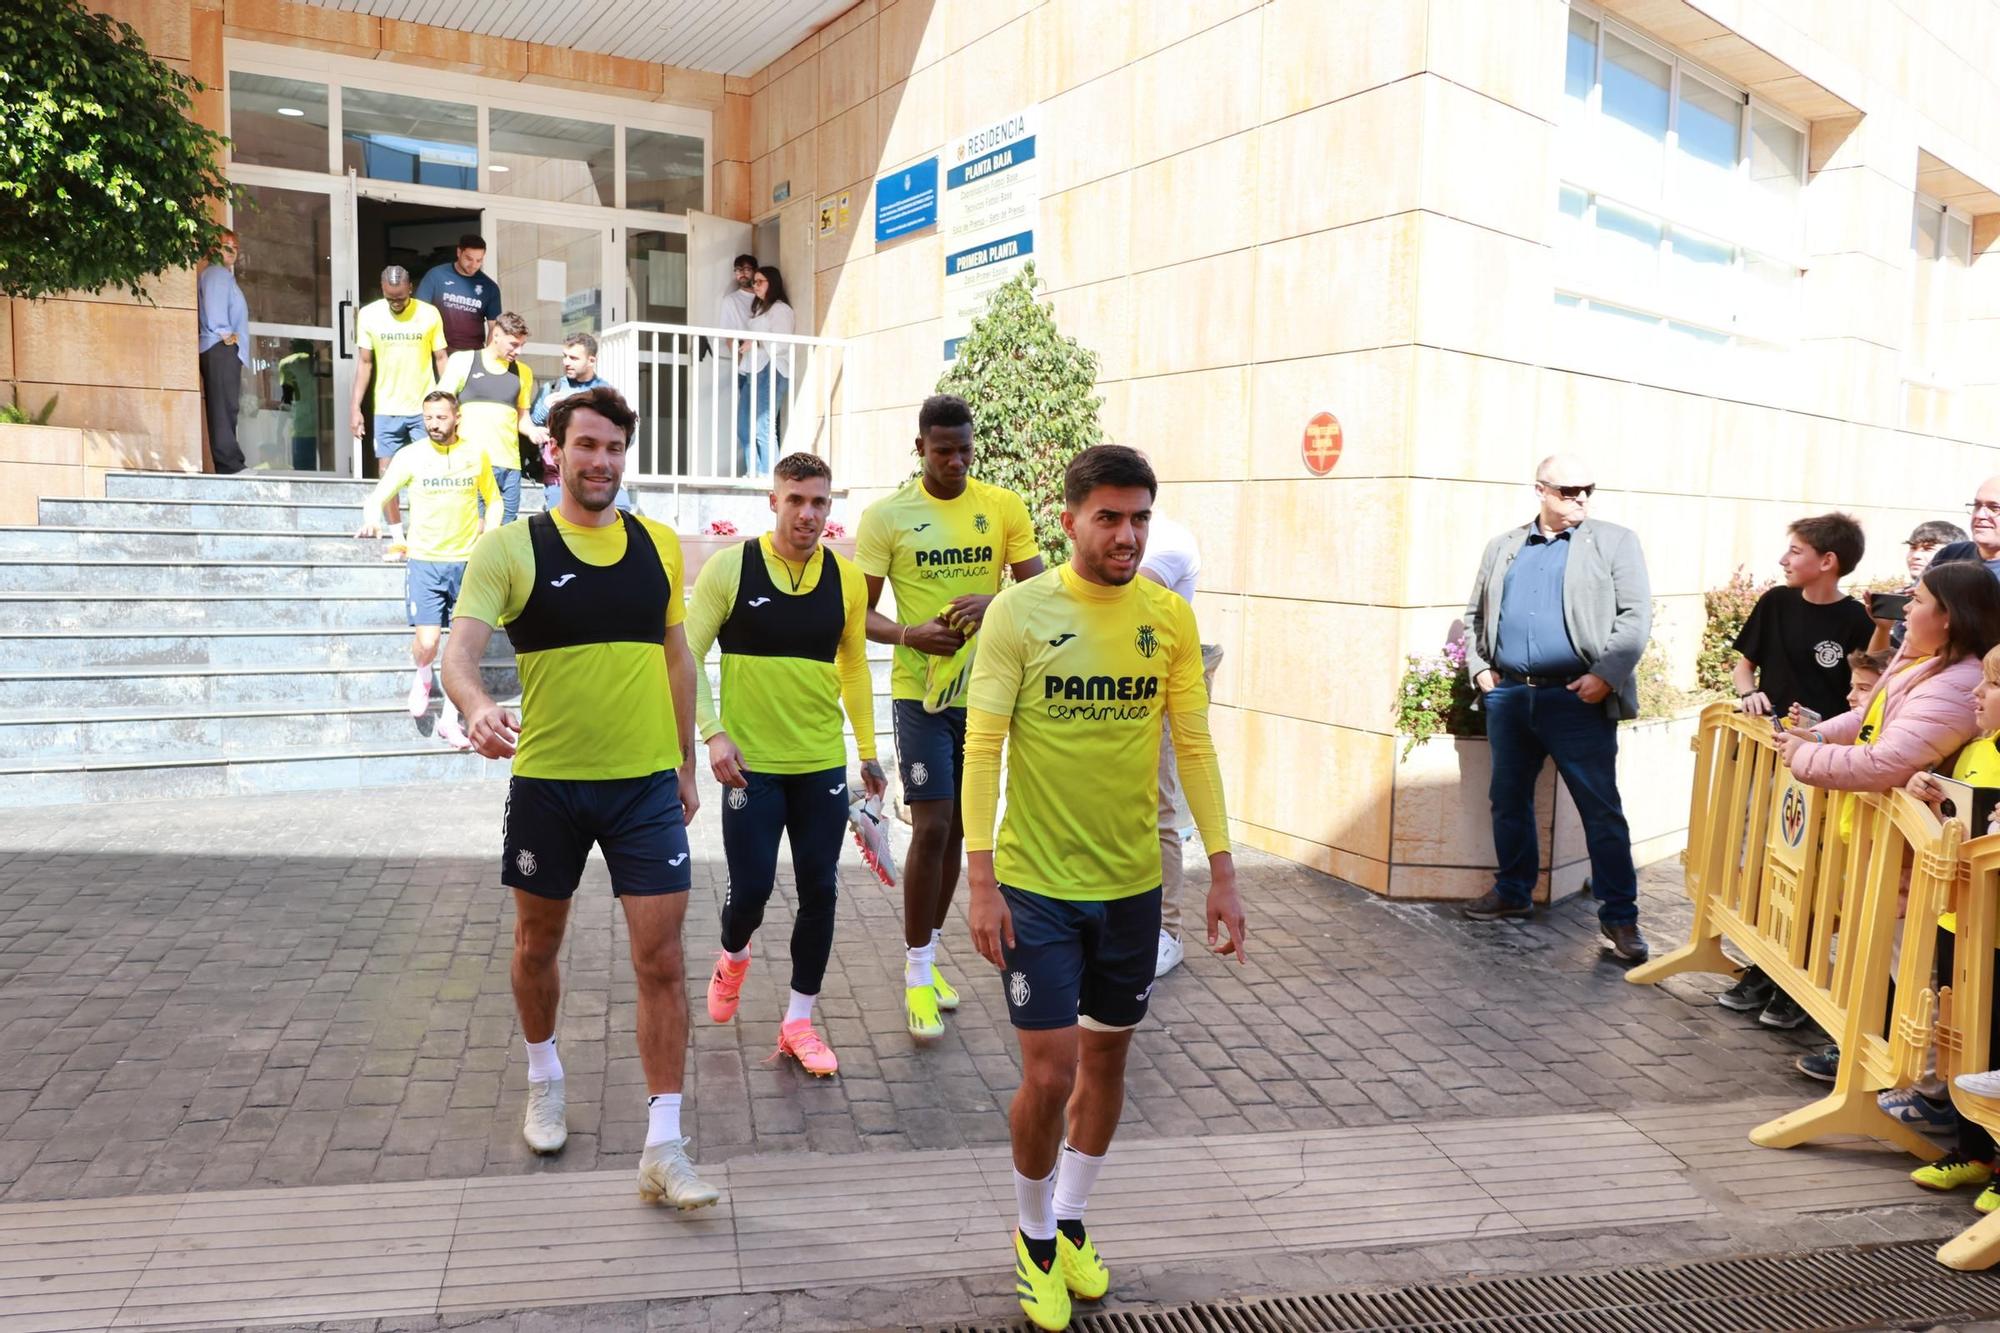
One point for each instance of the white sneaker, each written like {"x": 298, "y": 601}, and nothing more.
{"x": 546, "y": 1128}
{"x": 667, "y": 1176}
{"x": 1980, "y": 1085}
{"x": 451, "y": 733}
{"x": 420, "y": 695}
{"x": 1171, "y": 953}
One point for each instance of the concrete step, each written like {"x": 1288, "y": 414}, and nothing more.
{"x": 168, "y": 688}
{"x": 188, "y": 544}
{"x": 170, "y": 578}
{"x": 31, "y": 612}
{"x": 73, "y": 779}
{"x": 113, "y": 650}
{"x": 212, "y": 515}
{"x": 89, "y": 737}
{"x": 279, "y": 487}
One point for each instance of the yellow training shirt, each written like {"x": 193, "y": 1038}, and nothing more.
{"x": 404, "y": 348}
{"x": 492, "y": 395}
{"x": 1073, "y": 675}
{"x": 781, "y": 707}
{"x": 933, "y": 550}
{"x": 1978, "y": 766}
{"x": 594, "y": 711}
{"x": 446, "y": 484}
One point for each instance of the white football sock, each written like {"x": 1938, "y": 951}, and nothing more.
{"x": 1035, "y": 1201}
{"x": 737, "y": 955}
{"x": 543, "y": 1063}
{"x": 663, "y": 1118}
{"x": 800, "y": 1007}
{"x": 917, "y": 965}
{"x": 1076, "y": 1175}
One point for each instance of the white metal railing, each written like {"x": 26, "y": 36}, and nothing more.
{"x": 707, "y": 397}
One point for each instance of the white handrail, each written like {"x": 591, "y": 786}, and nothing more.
{"x": 709, "y": 428}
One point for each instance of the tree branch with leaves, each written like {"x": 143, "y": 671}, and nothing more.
{"x": 1034, "y": 402}
{"x": 106, "y": 180}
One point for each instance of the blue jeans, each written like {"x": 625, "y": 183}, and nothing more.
{"x": 754, "y": 444}
{"x": 1526, "y": 725}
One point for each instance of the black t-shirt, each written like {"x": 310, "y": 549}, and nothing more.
{"x": 1800, "y": 649}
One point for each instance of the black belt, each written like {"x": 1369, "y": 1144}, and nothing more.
{"x": 1541, "y": 682}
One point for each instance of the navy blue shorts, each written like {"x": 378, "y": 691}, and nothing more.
{"x": 393, "y": 432}
{"x": 432, "y": 588}
{"x": 931, "y": 749}
{"x": 551, "y": 823}
{"x": 1080, "y": 962}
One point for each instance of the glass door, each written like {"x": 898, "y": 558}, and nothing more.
{"x": 292, "y": 247}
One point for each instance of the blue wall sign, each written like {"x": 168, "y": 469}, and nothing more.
{"x": 906, "y": 201}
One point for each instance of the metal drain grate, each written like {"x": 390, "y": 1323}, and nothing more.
{"x": 1826, "y": 1291}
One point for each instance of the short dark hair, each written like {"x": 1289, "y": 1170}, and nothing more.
{"x": 1863, "y": 660}
{"x": 741, "y": 260}
{"x": 801, "y": 467}
{"x": 943, "y": 409}
{"x": 472, "y": 240}
{"x": 1106, "y": 465}
{"x": 604, "y": 400}
{"x": 1936, "y": 532}
{"x": 1837, "y": 535}
{"x": 511, "y": 324}
{"x": 583, "y": 340}
{"x": 440, "y": 394}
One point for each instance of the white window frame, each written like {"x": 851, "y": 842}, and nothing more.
{"x": 1932, "y": 376}
{"x": 1662, "y": 209}
{"x": 337, "y": 71}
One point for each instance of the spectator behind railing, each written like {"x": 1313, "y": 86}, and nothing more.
{"x": 768, "y": 366}
{"x": 1919, "y": 716}
{"x": 1922, "y": 712}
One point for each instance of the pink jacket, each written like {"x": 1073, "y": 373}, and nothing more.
{"x": 1926, "y": 718}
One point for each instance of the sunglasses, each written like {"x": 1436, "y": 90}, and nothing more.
{"x": 1571, "y": 492}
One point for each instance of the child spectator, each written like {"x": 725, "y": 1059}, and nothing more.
{"x": 1926, "y": 541}
{"x": 1865, "y": 669}
{"x": 1972, "y": 1160}
{"x": 1793, "y": 648}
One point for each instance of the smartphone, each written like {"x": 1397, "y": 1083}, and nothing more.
{"x": 1888, "y": 605}
{"x": 1809, "y": 718}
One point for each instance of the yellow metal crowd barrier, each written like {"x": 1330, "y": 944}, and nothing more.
{"x": 1809, "y": 885}
{"x": 1965, "y": 1030}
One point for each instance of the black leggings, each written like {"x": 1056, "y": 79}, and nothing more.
{"x": 1974, "y": 1143}
{"x": 810, "y": 808}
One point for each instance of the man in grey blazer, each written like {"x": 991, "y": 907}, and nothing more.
{"x": 1558, "y": 618}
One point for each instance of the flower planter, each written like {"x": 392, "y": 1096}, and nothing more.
{"x": 1441, "y": 831}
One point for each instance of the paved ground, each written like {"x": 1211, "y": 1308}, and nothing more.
{"x": 312, "y": 989}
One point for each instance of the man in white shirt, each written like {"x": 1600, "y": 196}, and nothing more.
{"x": 1174, "y": 561}
{"x": 734, "y": 313}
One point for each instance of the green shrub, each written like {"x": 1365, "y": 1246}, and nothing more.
{"x": 1725, "y": 609}
{"x": 105, "y": 180}
{"x": 1034, "y": 402}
